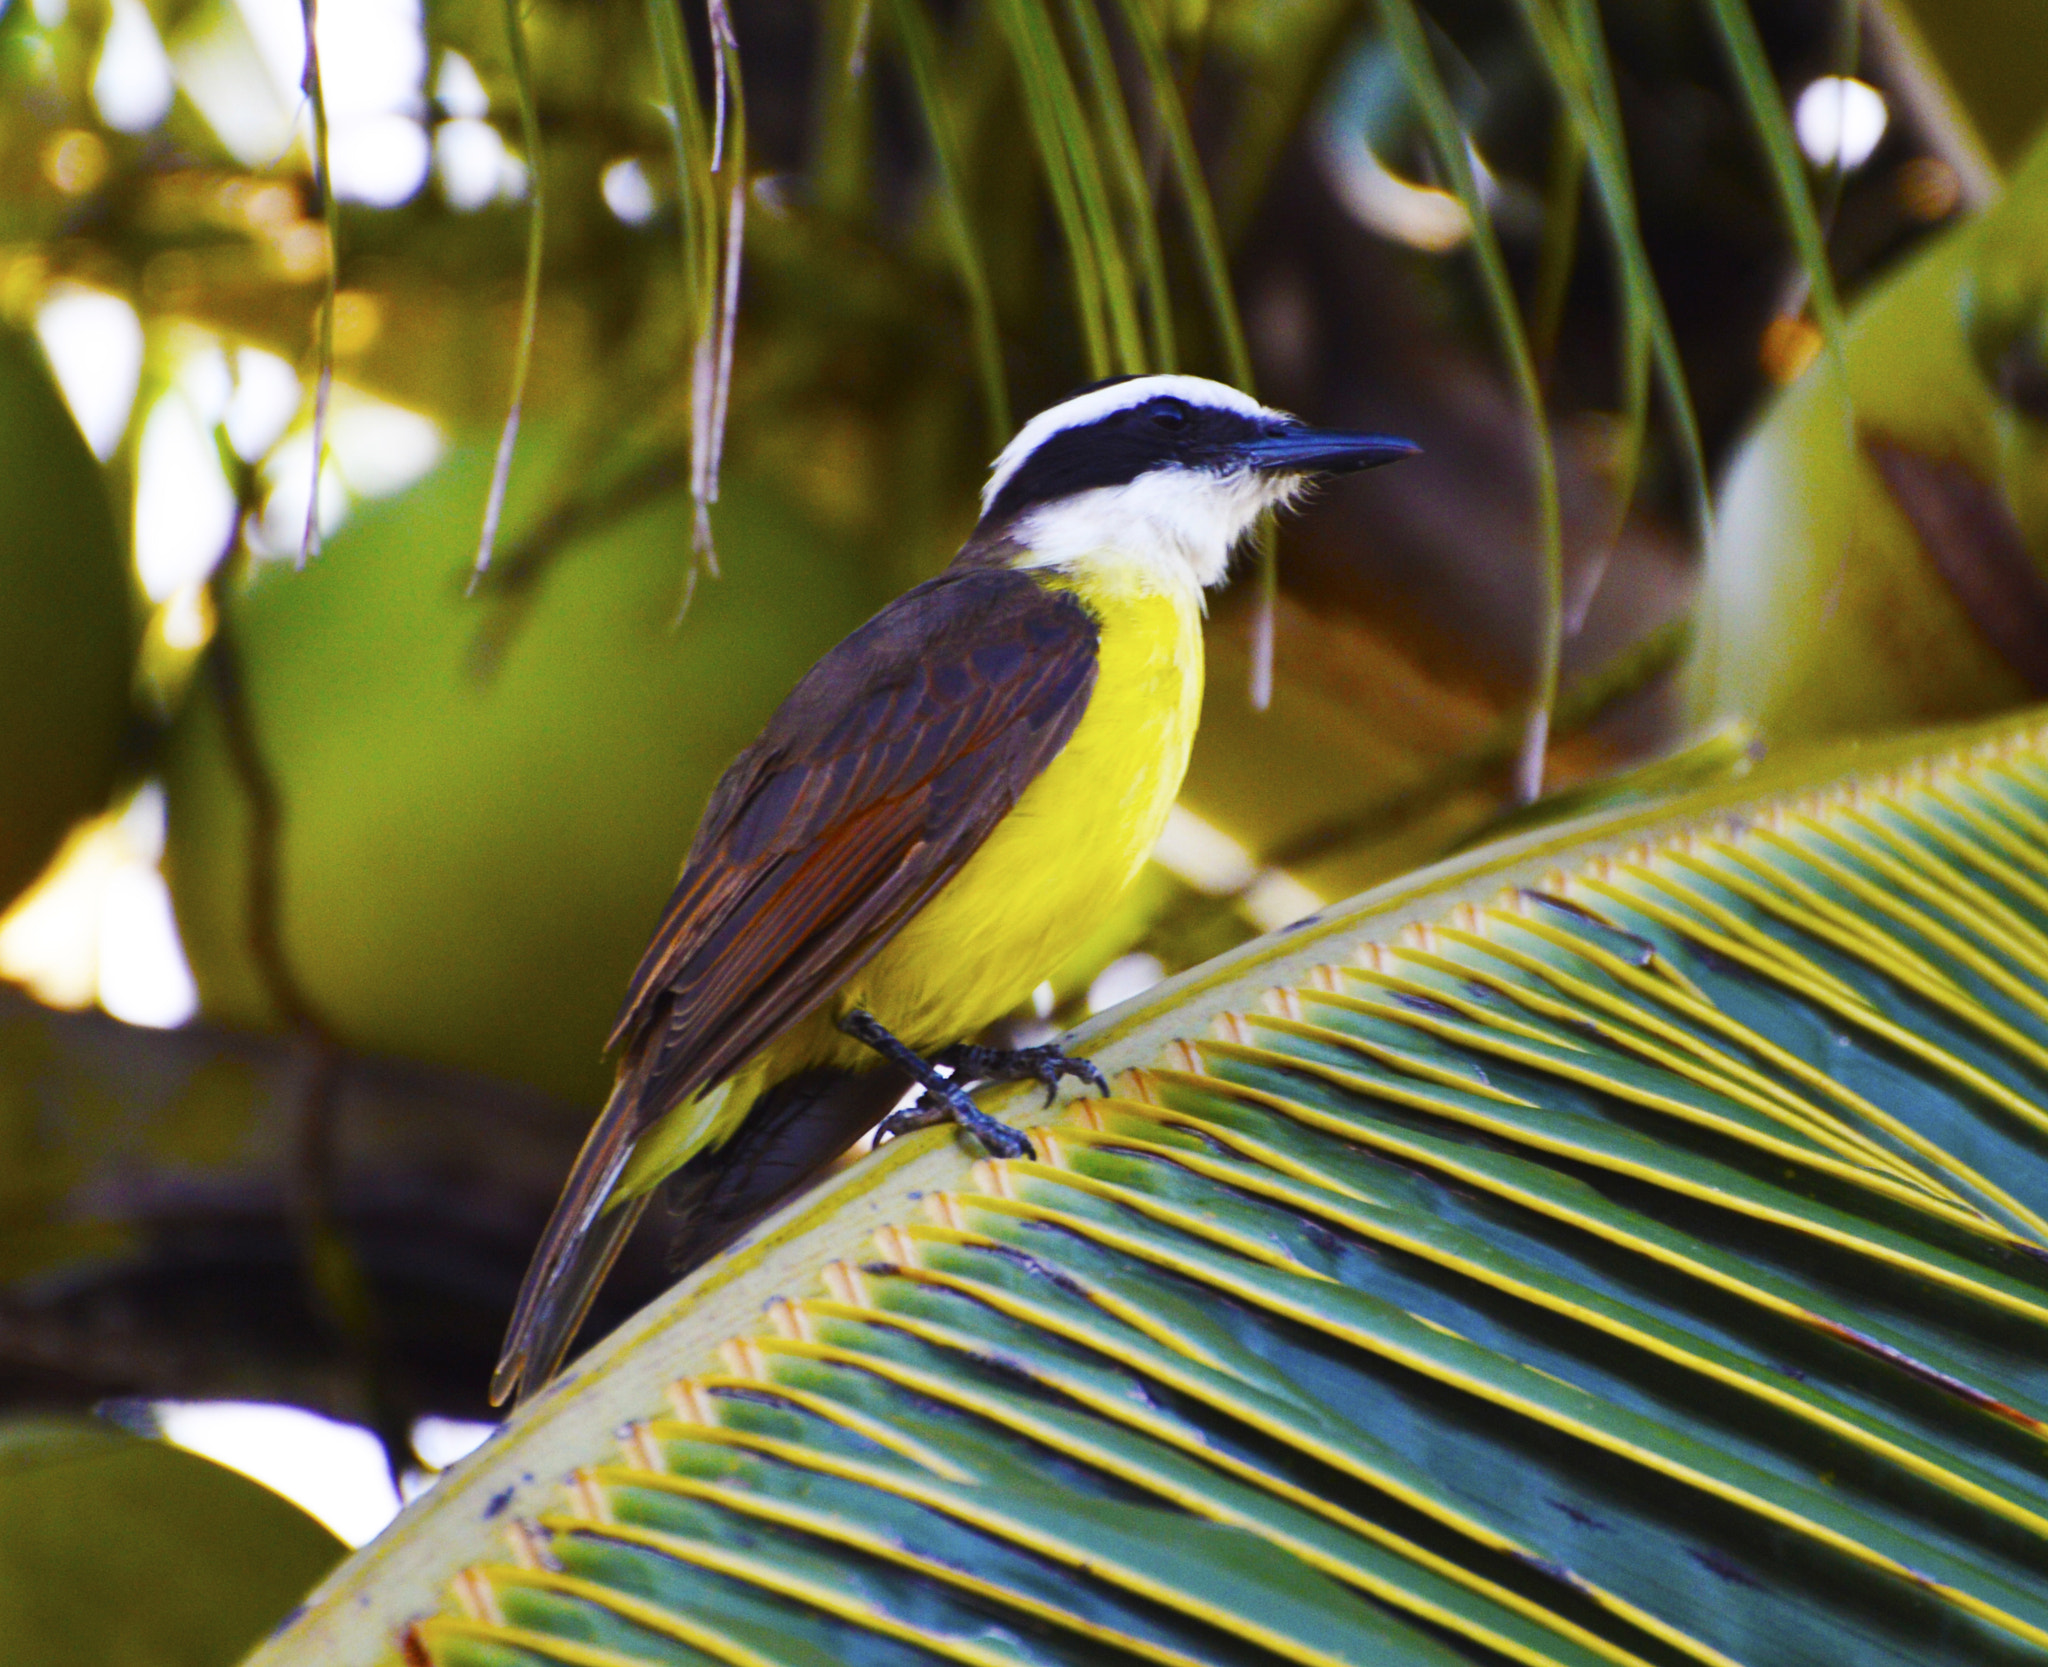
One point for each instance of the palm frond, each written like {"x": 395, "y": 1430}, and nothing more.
{"x": 1452, "y": 149}
{"x": 1575, "y": 58}
{"x": 1930, "y": 98}
{"x": 921, "y": 55}
{"x": 1196, "y": 202}
{"x": 1773, "y": 125}
{"x": 1072, "y": 166}
{"x": 709, "y": 159}
{"x": 330, "y": 219}
{"x": 1127, "y": 170}
{"x": 529, "y": 301}
{"x": 711, "y": 363}
{"x": 1625, "y": 1245}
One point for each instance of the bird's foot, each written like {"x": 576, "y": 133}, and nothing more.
{"x": 1044, "y": 1064}
{"x": 943, "y": 1101}
{"x": 951, "y": 1105}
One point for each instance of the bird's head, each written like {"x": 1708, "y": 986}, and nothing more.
{"x": 1166, "y": 469}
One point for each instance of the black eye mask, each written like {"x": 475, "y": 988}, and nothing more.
{"x": 1116, "y": 449}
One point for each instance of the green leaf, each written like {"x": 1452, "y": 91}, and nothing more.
{"x": 497, "y": 721}
{"x": 921, "y": 54}
{"x": 1448, "y": 141}
{"x": 529, "y": 300}
{"x": 330, "y": 212}
{"x": 66, "y": 637}
{"x": 709, "y": 159}
{"x": 1073, "y": 171}
{"x": 1624, "y": 1245}
{"x": 1773, "y": 127}
{"x": 131, "y": 1553}
{"x": 1127, "y": 169}
{"x": 1574, "y": 56}
{"x": 1196, "y": 201}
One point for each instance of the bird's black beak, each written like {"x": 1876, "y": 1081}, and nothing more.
{"x": 1314, "y": 451}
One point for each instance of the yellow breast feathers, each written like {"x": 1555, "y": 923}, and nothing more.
{"x": 1078, "y": 835}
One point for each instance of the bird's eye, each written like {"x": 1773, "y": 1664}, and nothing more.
{"x": 1168, "y": 413}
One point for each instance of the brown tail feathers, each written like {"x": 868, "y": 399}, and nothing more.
{"x": 576, "y": 1251}
{"x": 786, "y": 1136}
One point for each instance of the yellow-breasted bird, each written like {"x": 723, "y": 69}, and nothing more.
{"x": 911, "y": 843}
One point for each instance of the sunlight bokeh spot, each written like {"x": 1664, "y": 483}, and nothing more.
{"x": 1839, "y": 121}
{"x": 627, "y": 192}
{"x": 186, "y": 620}
{"x": 275, "y": 532}
{"x": 380, "y": 159}
{"x": 143, "y": 978}
{"x": 94, "y": 344}
{"x": 1125, "y": 977}
{"x": 266, "y": 398}
{"x": 131, "y": 85}
{"x": 244, "y": 73}
{"x": 471, "y": 162}
{"x": 334, "y": 1471}
{"x": 380, "y": 448}
{"x": 458, "y": 89}
{"x": 439, "y": 1442}
{"x": 98, "y": 924}
{"x": 373, "y": 449}
{"x": 184, "y": 507}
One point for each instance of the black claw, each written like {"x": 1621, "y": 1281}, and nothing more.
{"x": 997, "y": 1138}
{"x": 950, "y": 1105}
{"x": 909, "y": 1119}
{"x": 1044, "y": 1065}
{"x": 943, "y": 1098}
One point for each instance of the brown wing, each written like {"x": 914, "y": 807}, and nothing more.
{"x": 877, "y": 778}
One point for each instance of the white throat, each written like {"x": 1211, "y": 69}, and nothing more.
{"x": 1176, "y": 526}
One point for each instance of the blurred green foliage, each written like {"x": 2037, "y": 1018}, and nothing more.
{"x": 124, "y": 1552}
{"x": 1881, "y": 551}
{"x": 480, "y": 802}
{"x": 66, "y": 625}
{"x": 1988, "y": 51}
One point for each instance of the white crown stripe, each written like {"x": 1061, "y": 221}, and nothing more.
{"x": 1093, "y": 406}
